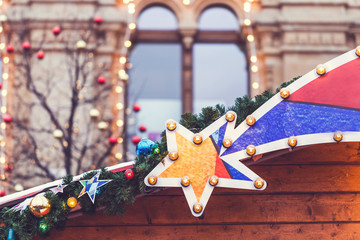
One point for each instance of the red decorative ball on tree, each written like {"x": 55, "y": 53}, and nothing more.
{"x": 2, "y": 193}
{"x": 40, "y": 54}
{"x": 135, "y": 139}
{"x": 0, "y": 85}
{"x": 101, "y": 80}
{"x": 142, "y": 128}
{"x": 112, "y": 140}
{"x": 136, "y": 107}
{"x": 8, "y": 167}
{"x": 56, "y": 30}
{"x": 129, "y": 174}
{"x": 98, "y": 20}
{"x": 26, "y": 45}
{"x": 7, "y": 118}
{"x": 10, "y": 48}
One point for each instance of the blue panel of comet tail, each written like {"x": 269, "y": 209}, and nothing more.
{"x": 235, "y": 174}
{"x": 218, "y": 136}
{"x": 293, "y": 119}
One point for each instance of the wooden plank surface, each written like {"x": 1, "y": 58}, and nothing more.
{"x": 343, "y": 231}
{"x": 240, "y": 209}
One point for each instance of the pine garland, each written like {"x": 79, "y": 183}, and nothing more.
{"x": 120, "y": 191}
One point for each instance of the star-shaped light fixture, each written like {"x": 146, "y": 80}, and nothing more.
{"x": 194, "y": 163}
{"x": 91, "y": 185}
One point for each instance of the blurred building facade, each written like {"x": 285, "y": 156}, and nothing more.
{"x": 291, "y": 37}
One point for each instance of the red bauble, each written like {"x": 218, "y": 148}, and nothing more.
{"x": 101, "y": 80}
{"x": 8, "y": 167}
{"x": 0, "y": 85}
{"x": 129, "y": 174}
{"x": 56, "y": 30}
{"x": 10, "y": 48}
{"x": 136, "y": 107}
{"x": 2, "y": 193}
{"x": 7, "y": 118}
{"x": 142, "y": 128}
{"x": 98, "y": 20}
{"x": 135, "y": 139}
{"x": 26, "y": 45}
{"x": 40, "y": 54}
{"x": 112, "y": 140}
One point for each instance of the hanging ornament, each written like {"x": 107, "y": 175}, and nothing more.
{"x": 56, "y": 30}
{"x": 81, "y": 44}
{"x": 144, "y": 146}
{"x": 142, "y": 128}
{"x": 3, "y": 18}
{"x": 11, "y": 234}
{"x": 2, "y": 193}
{"x": 135, "y": 139}
{"x": 7, "y": 118}
{"x": 43, "y": 226}
{"x": 39, "y": 206}
{"x": 58, "y": 133}
{"x": 136, "y": 107}
{"x": 101, "y": 79}
{"x": 8, "y": 167}
{"x": 26, "y": 45}
{"x": 129, "y": 174}
{"x": 90, "y": 186}
{"x": 94, "y": 113}
{"x": 102, "y": 125}
{"x": 0, "y": 85}
{"x": 112, "y": 140}
{"x": 155, "y": 149}
{"x": 40, "y": 54}
{"x": 10, "y": 48}
{"x": 58, "y": 189}
{"x": 98, "y": 20}
{"x": 71, "y": 202}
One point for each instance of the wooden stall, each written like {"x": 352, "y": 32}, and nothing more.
{"x": 312, "y": 193}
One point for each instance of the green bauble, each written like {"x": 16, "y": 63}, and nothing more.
{"x": 43, "y": 226}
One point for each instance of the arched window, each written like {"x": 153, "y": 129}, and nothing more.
{"x": 220, "y": 68}
{"x": 155, "y": 76}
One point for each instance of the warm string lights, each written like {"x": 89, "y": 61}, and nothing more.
{"x": 123, "y": 66}
{"x": 5, "y": 116}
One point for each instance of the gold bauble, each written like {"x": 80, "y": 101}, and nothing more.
{"x": 284, "y": 93}
{"x": 357, "y": 51}
{"x": 227, "y": 143}
{"x": 197, "y": 208}
{"x": 250, "y": 120}
{"x": 214, "y": 180}
{"x": 102, "y": 125}
{"x": 197, "y": 139}
{"x": 292, "y": 141}
{"x": 173, "y": 156}
{"x": 94, "y": 113}
{"x": 230, "y": 116}
{"x": 40, "y": 206}
{"x": 251, "y": 150}
{"x": 152, "y": 180}
{"x": 171, "y": 126}
{"x": 338, "y": 136}
{"x": 259, "y": 183}
{"x": 58, "y": 133}
{"x": 185, "y": 181}
{"x": 71, "y": 202}
{"x": 81, "y": 44}
{"x": 320, "y": 69}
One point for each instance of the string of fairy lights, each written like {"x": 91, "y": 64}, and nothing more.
{"x": 5, "y": 165}
{"x": 250, "y": 37}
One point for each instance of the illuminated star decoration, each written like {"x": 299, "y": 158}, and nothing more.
{"x": 59, "y": 188}
{"x": 194, "y": 163}
{"x": 90, "y": 186}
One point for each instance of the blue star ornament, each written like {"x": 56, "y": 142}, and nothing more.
{"x": 90, "y": 186}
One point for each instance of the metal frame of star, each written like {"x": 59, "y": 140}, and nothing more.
{"x": 223, "y": 182}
